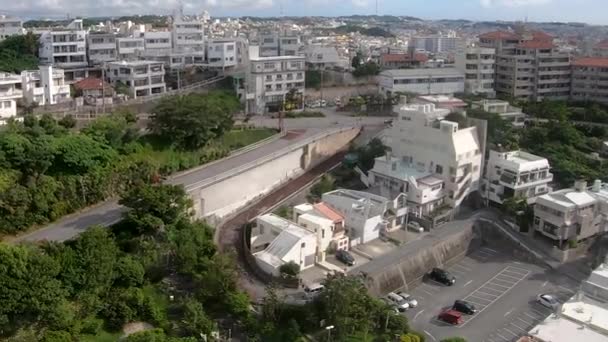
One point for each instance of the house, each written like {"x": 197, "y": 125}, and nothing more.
{"x": 284, "y": 43}
{"x": 45, "y": 86}
{"x": 276, "y": 241}
{"x": 588, "y": 77}
{"x": 421, "y": 81}
{"x": 10, "y": 92}
{"x": 143, "y": 78}
{"x": 478, "y": 65}
{"x": 576, "y": 213}
{"x": 515, "y": 174}
{"x": 94, "y": 90}
{"x": 64, "y": 47}
{"x": 327, "y": 223}
{"x": 512, "y": 114}
{"x": 157, "y": 40}
{"x": 452, "y": 103}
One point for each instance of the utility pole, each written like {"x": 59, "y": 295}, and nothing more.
{"x": 179, "y": 80}
{"x": 103, "y": 88}
{"x": 322, "y": 80}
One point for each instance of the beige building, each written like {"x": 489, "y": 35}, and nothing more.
{"x": 590, "y": 79}
{"x": 478, "y": 64}
{"x": 529, "y": 66}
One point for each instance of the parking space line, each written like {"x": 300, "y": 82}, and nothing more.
{"x": 518, "y": 327}
{"x": 474, "y": 296}
{"x": 503, "y": 281}
{"x": 566, "y": 289}
{"x": 510, "y": 332}
{"x": 490, "y": 249}
{"x": 516, "y": 272}
{"x": 508, "y": 276}
{"x": 520, "y": 268}
{"x": 425, "y": 291}
{"x": 465, "y": 268}
{"x": 533, "y": 317}
{"x": 499, "y": 285}
{"x": 467, "y": 283}
{"x": 459, "y": 273}
{"x": 526, "y": 322}
{"x": 484, "y": 252}
{"x": 487, "y": 293}
{"x": 474, "y": 302}
{"x": 504, "y": 338}
{"x": 540, "y": 313}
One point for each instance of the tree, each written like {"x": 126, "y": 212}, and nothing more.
{"x": 195, "y": 321}
{"x": 68, "y": 122}
{"x": 112, "y": 130}
{"x": 368, "y": 69}
{"x": 129, "y": 272}
{"x": 356, "y": 61}
{"x": 79, "y": 154}
{"x": 18, "y": 53}
{"x": 454, "y": 339}
{"x": 313, "y": 79}
{"x": 290, "y": 269}
{"x": 191, "y": 121}
{"x": 326, "y": 184}
{"x": 194, "y": 248}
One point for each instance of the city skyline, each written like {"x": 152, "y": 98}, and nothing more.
{"x": 487, "y": 10}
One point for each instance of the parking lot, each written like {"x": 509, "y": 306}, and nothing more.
{"x": 503, "y": 290}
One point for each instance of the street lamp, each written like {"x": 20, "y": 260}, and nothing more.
{"x": 329, "y": 328}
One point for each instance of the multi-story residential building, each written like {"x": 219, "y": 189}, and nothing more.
{"x": 144, "y": 78}
{"x": 290, "y": 44}
{"x": 422, "y": 81}
{"x": 222, "y": 53}
{"x": 129, "y": 48}
{"x": 503, "y": 108}
{"x": 528, "y": 65}
{"x": 590, "y": 79}
{"x": 515, "y": 174}
{"x": 601, "y": 49}
{"x": 430, "y": 155}
{"x": 327, "y": 224}
{"x": 436, "y": 43}
{"x": 477, "y": 63}
{"x": 45, "y": 86}
{"x": 10, "y": 92}
{"x": 270, "y": 79}
{"x": 389, "y": 61}
{"x": 157, "y": 40}
{"x": 64, "y": 47}
{"x": 273, "y": 43}
{"x": 321, "y": 57}
{"x": 188, "y": 34}
{"x": 576, "y": 214}
{"x": 101, "y": 47}
{"x": 10, "y": 26}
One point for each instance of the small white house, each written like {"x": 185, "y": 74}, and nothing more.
{"x": 9, "y": 94}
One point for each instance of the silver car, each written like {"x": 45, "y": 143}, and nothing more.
{"x": 409, "y": 299}
{"x": 548, "y": 301}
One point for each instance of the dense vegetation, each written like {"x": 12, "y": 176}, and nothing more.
{"x": 362, "y": 69}
{"x": 372, "y": 31}
{"x": 156, "y": 266}
{"x": 18, "y": 53}
{"x": 47, "y": 170}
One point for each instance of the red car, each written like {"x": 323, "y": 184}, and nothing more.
{"x": 451, "y": 316}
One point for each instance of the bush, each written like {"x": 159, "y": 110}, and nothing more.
{"x": 572, "y": 243}
{"x": 290, "y": 269}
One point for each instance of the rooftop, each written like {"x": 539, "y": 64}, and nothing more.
{"x": 91, "y": 84}
{"x": 568, "y": 198}
{"x": 500, "y": 35}
{"x": 328, "y": 212}
{"x": 562, "y": 330}
{"x": 401, "y": 171}
{"x": 422, "y": 72}
{"x": 601, "y": 62}
{"x": 536, "y": 44}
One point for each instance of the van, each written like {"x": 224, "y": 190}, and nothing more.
{"x": 398, "y": 301}
{"x": 451, "y": 316}
{"x": 313, "y": 290}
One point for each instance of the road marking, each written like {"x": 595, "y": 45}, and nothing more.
{"x": 525, "y": 322}
{"x": 510, "y": 332}
{"x": 431, "y": 336}
{"x": 517, "y": 262}
{"x": 488, "y": 294}
{"x": 565, "y": 289}
{"x": 474, "y": 302}
{"x": 519, "y": 268}
{"x": 465, "y": 268}
{"x": 508, "y": 276}
{"x": 484, "y": 252}
{"x": 499, "y": 285}
{"x": 518, "y": 327}
{"x": 509, "y": 312}
{"x": 517, "y": 272}
{"x": 474, "y": 296}
{"x": 418, "y": 314}
{"x": 504, "y": 338}
{"x": 490, "y": 249}
{"x": 467, "y": 283}
{"x": 533, "y": 317}
{"x": 427, "y": 286}
{"x": 545, "y": 283}
{"x": 458, "y": 273}
{"x": 427, "y": 292}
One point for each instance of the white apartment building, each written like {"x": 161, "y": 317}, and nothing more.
{"x": 45, "y": 86}
{"x": 478, "y": 64}
{"x": 273, "y": 44}
{"x": 436, "y": 43}
{"x": 421, "y": 81}
{"x": 10, "y": 92}
{"x": 64, "y": 47}
{"x": 10, "y": 26}
{"x": 590, "y": 79}
{"x": 515, "y": 174}
{"x": 101, "y": 47}
{"x": 327, "y": 224}
{"x": 188, "y": 33}
{"x": 512, "y": 114}
{"x": 157, "y": 40}
{"x": 430, "y": 154}
{"x": 129, "y": 48}
{"x": 577, "y": 214}
{"x": 270, "y": 79}
{"x": 222, "y": 53}
{"x": 144, "y": 78}
{"x": 321, "y": 57}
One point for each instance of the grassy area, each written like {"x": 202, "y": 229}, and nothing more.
{"x": 238, "y": 138}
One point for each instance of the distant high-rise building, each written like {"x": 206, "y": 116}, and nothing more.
{"x": 436, "y": 43}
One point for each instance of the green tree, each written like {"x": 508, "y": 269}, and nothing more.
{"x": 326, "y": 184}
{"x": 313, "y": 79}
{"x": 68, "y": 122}
{"x": 194, "y": 248}
{"x": 290, "y": 269}
{"x": 79, "y": 154}
{"x": 129, "y": 272}
{"x": 19, "y": 53}
{"x": 367, "y": 69}
{"x": 113, "y": 130}
{"x": 454, "y": 339}
{"x": 194, "y": 320}
{"x": 356, "y": 61}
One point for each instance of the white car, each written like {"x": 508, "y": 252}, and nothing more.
{"x": 548, "y": 301}
{"x": 409, "y": 299}
{"x": 401, "y": 304}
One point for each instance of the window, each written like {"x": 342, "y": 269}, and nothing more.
{"x": 269, "y": 65}
{"x": 303, "y": 245}
{"x": 269, "y": 78}
{"x": 268, "y": 87}
{"x": 230, "y": 48}
{"x": 439, "y": 169}
{"x": 322, "y": 233}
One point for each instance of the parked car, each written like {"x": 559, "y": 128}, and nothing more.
{"x": 391, "y": 304}
{"x": 548, "y": 301}
{"x": 401, "y": 304}
{"x": 345, "y": 257}
{"x": 451, "y": 316}
{"x": 415, "y": 226}
{"x": 409, "y": 299}
{"x": 464, "y": 307}
{"x": 388, "y": 122}
{"x": 442, "y": 276}
{"x": 313, "y": 290}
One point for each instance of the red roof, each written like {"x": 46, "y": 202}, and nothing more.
{"x": 328, "y": 212}
{"x": 499, "y": 35}
{"x": 601, "y": 62}
{"x": 540, "y": 35}
{"x": 91, "y": 84}
{"x": 602, "y": 45}
{"x": 536, "y": 44}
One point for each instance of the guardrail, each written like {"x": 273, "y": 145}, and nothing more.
{"x": 265, "y": 159}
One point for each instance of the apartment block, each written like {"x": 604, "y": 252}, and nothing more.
{"x": 101, "y": 47}
{"x": 10, "y": 26}
{"x": 321, "y": 57}
{"x": 64, "y": 47}
{"x": 478, "y": 65}
{"x": 529, "y": 66}
{"x": 129, "y": 48}
{"x": 222, "y": 53}
{"x": 576, "y": 213}
{"x": 274, "y": 43}
{"x": 432, "y": 160}
{"x": 422, "y": 81}
{"x": 10, "y": 92}
{"x": 144, "y": 78}
{"x": 436, "y": 43}
{"x": 590, "y": 79}
{"x": 45, "y": 86}
{"x": 515, "y": 174}
{"x": 157, "y": 40}
{"x": 188, "y": 34}
{"x": 270, "y": 79}
{"x": 509, "y": 113}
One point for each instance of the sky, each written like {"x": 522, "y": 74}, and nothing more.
{"x": 588, "y": 11}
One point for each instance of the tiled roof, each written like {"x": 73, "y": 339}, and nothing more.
{"x": 540, "y": 35}
{"x": 602, "y": 45}
{"x": 499, "y": 35}
{"x": 591, "y": 62}
{"x": 328, "y": 212}
{"x": 90, "y": 84}
{"x": 536, "y": 44}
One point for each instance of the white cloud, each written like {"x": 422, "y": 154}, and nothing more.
{"x": 513, "y": 3}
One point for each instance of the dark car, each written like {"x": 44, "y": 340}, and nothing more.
{"x": 442, "y": 276}
{"x": 451, "y": 316}
{"x": 464, "y": 307}
{"x": 345, "y": 257}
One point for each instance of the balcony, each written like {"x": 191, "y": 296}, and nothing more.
{"x": 12, "y": 94}
{"x": 513, "y": 183}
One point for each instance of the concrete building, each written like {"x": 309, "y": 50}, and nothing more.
{"x": 389, "y": 61}
{"x": 503, "y": 108}
{"x": 270, "y": 79}
{"x": 436, "y": 43}
{"x": 452, "y": 103}
{"x": 367, "y": 215}
{"x": 529, "y": 66}
{"x": 327, "y": 224}
{"x": 600, "y": 49}
{"x": 276, "y": 241}
{"x": 222, "y": 53}
{"x": 157, "y": 40}
{"x": 64, "y": 47}
{"x": 94, "y": 91}
{"x": 10, "y": 26}
{"x": 10, "y": 92}
{"x": 101, "y": 47}
{"x": 477, "y": 63}
{"x": 45, "y": 86}
{"x": 129, "y": 48}
{"x": 515, "y": 174}
{"x": 421, "y": 81}
{"x": 274, "y": 43}
{"x": 321, "y": 57}
{"x": 144, "y": 78}
{"x": 429, "y": 154}
{"x": 188, "y": 33}
{"x": 577, "y": 214}
{"x": 590, "y": 79}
